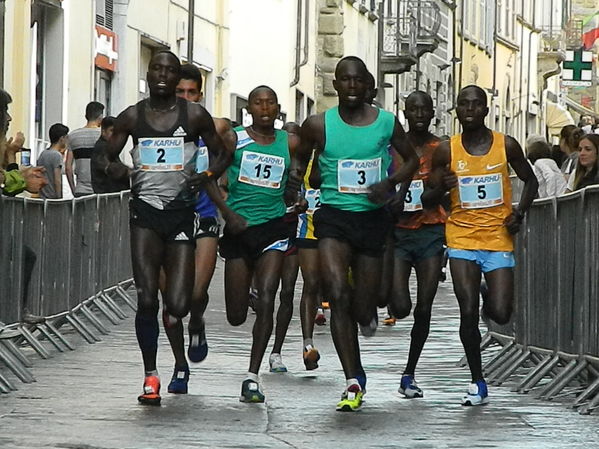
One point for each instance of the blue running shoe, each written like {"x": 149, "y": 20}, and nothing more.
{"x": 198, "y": 346}
{"x": 179, "y": 381}
{"x": 361, "y": 377}
{"x": 409, "y": 388}
{"x": 478, "y": 394}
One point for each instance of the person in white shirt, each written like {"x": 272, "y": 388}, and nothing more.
{"x": 552, "y": 181}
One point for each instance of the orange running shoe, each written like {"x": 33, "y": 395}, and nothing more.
{"x": 151, "y": 394}
{"x": 389, "y": 321}
{"x": 325, "y": 305}
{"x": 311, "y": 357}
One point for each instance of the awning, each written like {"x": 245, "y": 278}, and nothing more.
{"x": 582, "y": 110}
{"x": 556, "y": 117}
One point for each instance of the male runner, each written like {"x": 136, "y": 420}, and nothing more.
{"x": 257, "y": 178}
{"x": 351, "y": 142}
{"x": 165, "y": 130}
{"x": 479, "y": 231}
{"x": 288, "y": 278}
{"x": 419, "y": 238}
{"x": 190, "y": 88}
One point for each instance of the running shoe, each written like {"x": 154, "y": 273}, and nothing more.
{"x": 389, "y": 320}
{"x": 409, "y": 388}
{"x": 370, "y": 329}
{"x": 151, "y": 394}
{"x": 361, "y": 377}
{"x": 325, "y": 305}
{"x": 478, "y": 394}
{"x": 276, "y": 364}
{"x": 351, "y": 400}
{"x": 179, "y": 381}
{"x": 320, "y": 318}
{"x": 250, "y": 392}
{"x": 198, "y": 346}
{"x": 311, "y": 357}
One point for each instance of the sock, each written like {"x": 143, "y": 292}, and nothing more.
{"x": 352, "y": 381}
{"x": 146, "y": 328}
{"x": 152, "y": 373}
{"x": 308, "y": 342}
{"x": 252, "y": 376}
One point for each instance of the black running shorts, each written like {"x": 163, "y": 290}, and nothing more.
{"x": 172, "y": 225}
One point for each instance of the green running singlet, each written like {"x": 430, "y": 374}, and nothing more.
{"x": 354, "y": 157}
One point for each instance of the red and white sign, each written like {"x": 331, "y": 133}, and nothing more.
{"x": 106, "y": 49}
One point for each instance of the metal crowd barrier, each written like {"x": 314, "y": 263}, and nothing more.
{"x": 67, "y": 261}
{"x": 552, "y": 343}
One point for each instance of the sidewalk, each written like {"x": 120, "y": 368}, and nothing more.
{"x": 87, "y": 398}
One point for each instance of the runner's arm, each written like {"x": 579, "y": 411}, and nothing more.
{"x": 122, "y": 130}
{"x": 441, "y": 178}
{"x": 312, "y": 127}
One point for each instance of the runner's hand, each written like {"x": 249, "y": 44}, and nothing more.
{"x": 197, "y": 181}
{"x": 450, "y": 179}
{"x": 301, "y": 205}
{"x": 236, "y": 224}
{"x": 513, "y": 222}
{"x": 396, "y": 206}
{"x": 379, "y": 193}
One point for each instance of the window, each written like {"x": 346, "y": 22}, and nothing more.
{"x": 299, "y": 106}
{"x": 104, "y": 9}
{"x": 102, "y": 89}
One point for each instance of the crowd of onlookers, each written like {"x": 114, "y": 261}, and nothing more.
{"x": 569, "y": 166}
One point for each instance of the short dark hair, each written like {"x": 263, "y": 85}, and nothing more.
{"x": 370, "y": 81}
{"x": 191, "y": 72}
{"x": 93, "y": 111}
{"x": 57, "y": 130}
{"x": 538, "y": 149}
{"x": 476, "y": 88}
{"x": 355, "y": 59}
{"x": 168, "y": 52}
{"x": 422, "y": 94}
{"x": 107, "y": 122}
{"x": 255, "y": 90}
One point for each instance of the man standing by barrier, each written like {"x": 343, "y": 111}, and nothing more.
{"x": 473, "y": 166}
{"x": 51, "y": 160}
{"x": 351, "y": 143}
{"x": 81, "y": 143}
{"x": 163, "y": 221}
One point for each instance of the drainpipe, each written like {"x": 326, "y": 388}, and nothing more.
{"x": 190, "y": 29}
{"x": 298, "y": 38}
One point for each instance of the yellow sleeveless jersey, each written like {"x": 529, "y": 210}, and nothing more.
{"x": 305, "y": 224}
{"x": 482, "y": 200}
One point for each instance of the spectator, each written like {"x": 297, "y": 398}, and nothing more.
{"x": 551, "y": 180}
{"x": 596, "y": 126}
{"x": 569, "y": 137}
{"x": 51, "y": 160}
{"x": 585, "y": 173}
{"x": 101, "y": 182}
{"x": 12, "y": 180}
{"x": 82, "y": 143}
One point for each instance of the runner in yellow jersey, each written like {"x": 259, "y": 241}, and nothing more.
{"x": 480, "y": 228}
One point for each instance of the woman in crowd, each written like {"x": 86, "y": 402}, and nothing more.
{"x": 585, "y": 173}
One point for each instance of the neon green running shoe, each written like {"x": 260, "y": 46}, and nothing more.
{"x": 351, "y": 400}
{"x": 250, "y": 392}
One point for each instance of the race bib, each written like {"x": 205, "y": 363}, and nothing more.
{"x": 262, "y": 170}
{"x": 313, "y": 198}
{"x": 478, "y": 192}
{"x": 161, "y": 153}
{"x": 356, "y": 176}
{"x": 413, "y": 203}
{"x": 202, "y": 159}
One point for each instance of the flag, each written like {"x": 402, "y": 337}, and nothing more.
{"x": 590, "y": 30}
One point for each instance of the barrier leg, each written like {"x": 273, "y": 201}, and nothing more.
{"x": 589, "y": 391}
{"x": 571, "y": 370}
{"x": 36, "y": 345}
{"x": 16, "y": 352}
{"x": 113, "y": 306}
{"x": 5, "y": 385}
{"x": 499, "y": 357}
{"x": 48, "y": 336}
{"x": 16, "y": 367}
{"x": 535, "y": 376}
{"x": 511, "y": 369}
{"x": 587, "y": 409}
{"x": 76, "y": 324}
{"x": 105, "y": 310}
{"x": 94, "y": 320}
{"x": 58, "y": 335}
{"x": 126, "y": 298}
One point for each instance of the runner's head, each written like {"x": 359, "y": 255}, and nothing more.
{"x": 472, "y": 107}
{"x": 190, "y": 84}
{"x": 164, "y": 72}
{"x": 372, "y": 90}
{"x": 419, "y": 111}
{"x": 351, "y": 82}
{"x": 107, "y": 127}
{"x": 292, "y": 128}
{"x": 263, "y": 106}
